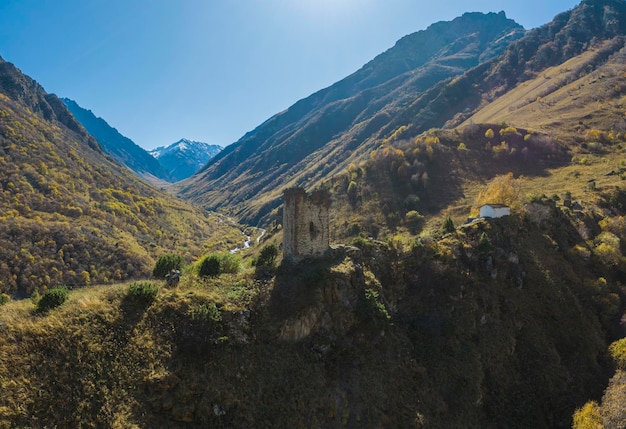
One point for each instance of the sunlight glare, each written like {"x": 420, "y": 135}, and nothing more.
{"x": 330, "y": 11}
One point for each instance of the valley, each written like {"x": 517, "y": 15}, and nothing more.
{"x": 419, "y": 313}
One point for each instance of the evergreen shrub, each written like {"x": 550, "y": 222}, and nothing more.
{"x": 448, "y": 225}
{"x": 4, "y": 298}
{"x": 52, "y": 299}
{"x": 484, "y": 243}
{"x": 206, "y": 312}
{"x": 371, "y": 309}
{"x": 165, "y": 264}
{"x": 144, "y": 292}
{"x": 267, "y": 256}
{"x": 219, "y": 263}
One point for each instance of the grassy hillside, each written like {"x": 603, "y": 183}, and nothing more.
{"x": 441, "y": 173}
{"x": 586, "y": 92}
{"x": 70, "y": 215}
{"x": 503, "y": 323}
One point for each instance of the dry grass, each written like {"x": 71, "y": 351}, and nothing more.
{"x": 89, "y": 357}
{"x": 561, "y": 98}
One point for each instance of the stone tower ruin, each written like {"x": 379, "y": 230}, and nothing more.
{"x": 306, "y": 231}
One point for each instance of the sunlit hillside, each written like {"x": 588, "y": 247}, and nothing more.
{"x": 320, "y": 135}
{"x": 70, "y": 215}
{"x": 294, "y": 148}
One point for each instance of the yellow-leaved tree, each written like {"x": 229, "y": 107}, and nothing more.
{"x": 588, "y": 417}
{"x": 504, "y": 189}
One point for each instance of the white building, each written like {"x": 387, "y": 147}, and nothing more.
{"x": 494, "y": 210}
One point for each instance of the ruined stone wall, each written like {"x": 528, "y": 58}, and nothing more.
{"x": 306, "y": 231}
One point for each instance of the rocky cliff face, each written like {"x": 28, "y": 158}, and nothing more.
{"x": 478, "y": 320}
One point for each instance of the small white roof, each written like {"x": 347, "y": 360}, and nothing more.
{"x": 495, "y": 206}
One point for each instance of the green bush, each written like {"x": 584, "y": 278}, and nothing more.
{"x": 144, "y": 292}
{"x": 35, "y": 297}
{"x": 363, "y": 243}
{"x": 210, "y": 266}
{"x": 165, "y": 264}
{"x": 267, "y": 256}
{"x": 413, "y": 220}
{"x": 448, "y": 225}
{"x": 4, "y": 298}
{"x": 219, "y": 263}
{"x": 206, "y": 312}
{"x": 372, "y": 310}
{"x": 484, "y": 243}
{"x": 229, "y": 263}
{"x": 52, "y": 299}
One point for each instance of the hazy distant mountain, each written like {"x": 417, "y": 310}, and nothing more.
{"x": 120, "y": 148}
{"x": 185, "y": 157}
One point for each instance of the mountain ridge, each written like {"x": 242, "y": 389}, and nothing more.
{"x": 17, "y": 86}
{"x": 69, "y": 214}
{"x": 353, "y": 110}
{"x": 119, "y": 147}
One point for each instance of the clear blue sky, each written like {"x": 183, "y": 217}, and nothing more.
{"x": 211, "y": 70}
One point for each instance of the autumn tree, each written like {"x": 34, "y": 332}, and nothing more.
{"x": 413, "y": 220}
{"x": 588, "y": 417}
{"x": 352, "y": 192}
{"x": 504, "y": 189}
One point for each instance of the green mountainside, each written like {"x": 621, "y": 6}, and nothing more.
{"x": 69, "y": 214}
{"x": 122, "y": 149}
{"x": 319, "y": 135}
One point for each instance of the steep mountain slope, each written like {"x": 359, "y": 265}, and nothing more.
{"x": 235, "y": 180}
{"x": 120, "y": 148}
{"x": 563, "y": 130}
{"x": 184, "y": 158}
{"x": 570, "y": 34}
{"x": 68, "y": 213}
{"x": 582, "y": 93}
{"x": 317, "y": 136}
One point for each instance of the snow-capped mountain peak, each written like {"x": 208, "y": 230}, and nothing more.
{"x": 185, "y": 157}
